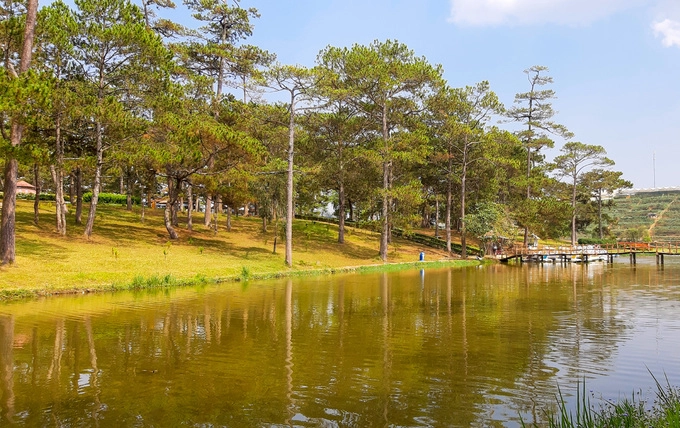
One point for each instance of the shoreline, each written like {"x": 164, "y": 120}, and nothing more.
{"x": 130, "y": 250}
{"x": 168, "y": 281}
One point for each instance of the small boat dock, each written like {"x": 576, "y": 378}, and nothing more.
{"x": 589, "y": 253}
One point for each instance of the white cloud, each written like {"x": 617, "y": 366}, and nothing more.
{"x": 494, "y": 12}
{"x": 669, "y": 30}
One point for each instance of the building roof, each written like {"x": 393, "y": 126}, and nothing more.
{"x": 25, "y": 185}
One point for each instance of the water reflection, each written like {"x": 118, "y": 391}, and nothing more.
{"x": 477, "y": 346}
{"x": 6, "y": 367}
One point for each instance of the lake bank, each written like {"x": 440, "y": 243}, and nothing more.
{"x": 161, "y": 281}
{"x": 128, "y": 252}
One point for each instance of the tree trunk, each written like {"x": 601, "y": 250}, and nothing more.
{"x": 7, "y": 227}
{"x": 129, "y": 190}
{"x": 599, "y": 212}
{"x": 228, "y": 219}
{"x": 96, "y": 186}
{"x": 145, "y": 197}
{"x": 79, "y": 195}
{"x": 341, "y": 213}
{"x": 99, "y": 151}
{"x": 573, "y": 213}
{"x": 384, "y": 214}
{"x": 386, "y": 187}
{"x": 71, "y": 187}
{"x": 526, "y": 228}
{"x": 175, "y": 211}
{"x": 436, "y": 218}
{"x": 449, "y": 202}
{"x": 218, "y": 204}
{"x": 289, "y": 185}
{"x": 173, "y": 191}
{"x": 463, "y": 179}
{"x": 530, "y": 119}
{"x": 8, "y": 214}
{"x": 208, "y": 211}
{"x": 38, "y": 188}
{"x": 57, "y": 172}
{"x": 59, "y": 200}
{"x": 190, "y": 206}
{"x": 425, "y": 213}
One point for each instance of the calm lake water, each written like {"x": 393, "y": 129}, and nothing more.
{"x": 447, "y": 347}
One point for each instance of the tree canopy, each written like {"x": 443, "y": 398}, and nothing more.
{"x": 124, "y": 100}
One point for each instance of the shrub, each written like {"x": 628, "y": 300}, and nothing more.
{"x": 111, "y": 198}
{"x": 596, "y": 241}
{"x": 31, "y": 197}
{"x": 43, "y": 196}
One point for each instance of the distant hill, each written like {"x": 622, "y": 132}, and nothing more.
{"x": 657, "y": 210}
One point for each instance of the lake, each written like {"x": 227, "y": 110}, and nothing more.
{"x": 477, "y": 346}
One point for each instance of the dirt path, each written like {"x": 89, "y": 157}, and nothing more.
{"x": 660, "y": 216}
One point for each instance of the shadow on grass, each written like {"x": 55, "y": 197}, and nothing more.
{"x": 34, "y": 247}
{"x": 217, "y": 245}
{"x": 358, "y": 252}
{"x": 313, "y": 237}
{"x": 127, "y": 232}
{"x": 250, "y": 251}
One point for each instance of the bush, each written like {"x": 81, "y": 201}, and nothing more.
{"x": 596, "y": 241}
{"x": 31, "y": 197}
{"x": 111, "y": 198}
{"x": 43, "y": 196}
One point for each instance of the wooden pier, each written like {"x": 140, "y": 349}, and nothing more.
{"x": 589, "y": 253}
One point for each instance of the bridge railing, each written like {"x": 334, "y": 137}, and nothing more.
{"x": 518, "y": 250}
{"x": 618, "y": 248}
{"x": 644, "y": 247}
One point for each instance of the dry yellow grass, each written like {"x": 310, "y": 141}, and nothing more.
{"x": 124, "y": 250}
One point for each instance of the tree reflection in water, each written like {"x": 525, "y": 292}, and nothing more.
{"x": 440, "y": 347}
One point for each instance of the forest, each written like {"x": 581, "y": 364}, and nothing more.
{"x": 109, "y": 97}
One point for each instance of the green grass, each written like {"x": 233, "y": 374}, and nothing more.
{"x": 125, "y": 253}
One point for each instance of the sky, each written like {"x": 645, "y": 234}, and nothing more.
{"x": 615, "y": 63}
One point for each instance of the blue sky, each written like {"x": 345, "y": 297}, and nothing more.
{"x": 615, "y": 63}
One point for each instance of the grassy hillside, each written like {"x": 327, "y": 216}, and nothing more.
{"x": 125, "y": 252}
{"x": 658, "y": 213}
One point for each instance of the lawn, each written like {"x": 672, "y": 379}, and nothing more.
{"x": 125, "y": 251}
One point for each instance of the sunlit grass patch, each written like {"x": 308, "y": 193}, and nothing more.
{"x": 125, "y": 252}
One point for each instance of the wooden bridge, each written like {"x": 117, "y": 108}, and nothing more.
{"x": 589, "y": 253}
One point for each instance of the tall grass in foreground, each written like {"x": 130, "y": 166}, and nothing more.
{"x": 635, "y": 412}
